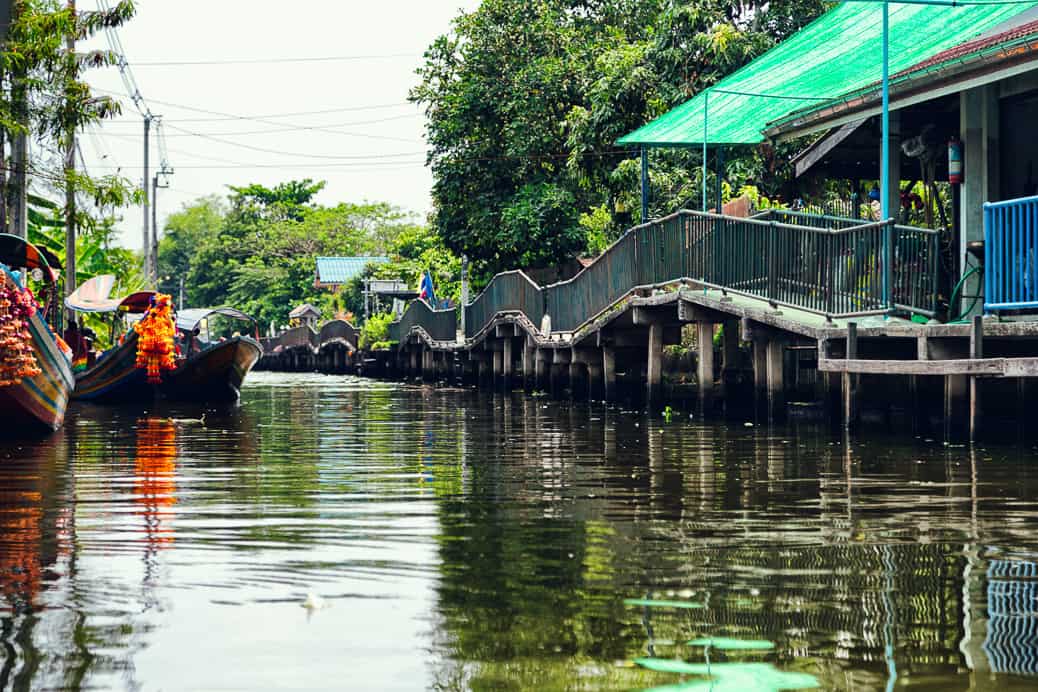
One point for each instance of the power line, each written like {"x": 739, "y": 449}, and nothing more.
{"x": 289, "y": 128}
{"x": 314, "y": 128}
{"x": 271, "y": 61}
{"x": 264, "y": 150}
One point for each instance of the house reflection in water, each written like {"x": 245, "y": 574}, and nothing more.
{"x": 1011, "y": 643}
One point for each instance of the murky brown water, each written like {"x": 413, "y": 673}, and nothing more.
{"x": 462, "y": 540}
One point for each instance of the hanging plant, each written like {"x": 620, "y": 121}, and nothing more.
{"x": 155, "y": 347}
{"x": 17, "y": 360}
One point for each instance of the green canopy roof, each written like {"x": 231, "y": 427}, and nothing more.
{"x": 839, "y": 52}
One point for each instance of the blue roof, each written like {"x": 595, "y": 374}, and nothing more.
{"x": 339, "y": 270}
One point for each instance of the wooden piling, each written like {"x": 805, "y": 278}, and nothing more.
{"x": 976, "y": 351}
{"x": 850, "y": 381}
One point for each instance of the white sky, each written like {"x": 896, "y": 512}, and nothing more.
{"x": 386, "y": 165}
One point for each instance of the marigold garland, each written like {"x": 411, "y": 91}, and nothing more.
{"x": 17, "y": 360}
{"x": 155, "y": 338}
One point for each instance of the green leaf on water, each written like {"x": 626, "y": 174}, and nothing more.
{"x": 729, "y": 677}
{"x": 669, "y": 665}
{"x": 650, "y": 603}
{"x": 728, "y": 644}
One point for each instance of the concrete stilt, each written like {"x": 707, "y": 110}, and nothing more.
{"x": 594, "y": 380}
{"x": 608, "y": 373}
{"x": 705, "y": 363}
{"x": 507, "y": 363}
{"x": 529, "y": 355}
{"x": 541, "y": 367}
{"x": 498, "y": 368}
{"x": 578, "y": 384}
{"x": 760, "y": 373}
{"x": 776, "y": 380}
{"x": 654, "y": 365}
{"x": 729, "y": 354}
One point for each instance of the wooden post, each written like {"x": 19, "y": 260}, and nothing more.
{"x": 705, "y": 364}
{"x": 976, "y": 351}
{"x": 608, "y": 373}
{"x": 850, "y": 381}
{"x": 654, "y": 370}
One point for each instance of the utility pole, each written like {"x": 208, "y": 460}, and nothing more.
{"x": 16, "y": 202}
{"x": 163, "y": 171}
{"x": 146, "y": 245}
{"x": 70, "y": 188}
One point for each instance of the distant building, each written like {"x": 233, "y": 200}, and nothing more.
{"x": 335, "y": 272}
{"x": 304, "y": 314}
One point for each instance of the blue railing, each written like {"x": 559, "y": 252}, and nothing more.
{"x": 1011, "y": 255}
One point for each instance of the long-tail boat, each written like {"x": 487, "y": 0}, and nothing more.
{"x": 210, "y": 371}
{"x": 35, "y": 364}
{"x": 113, "y": 376}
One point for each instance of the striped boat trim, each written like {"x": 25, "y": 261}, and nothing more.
{"x": 118, "y": 369}
{"x": 46, "y": 395}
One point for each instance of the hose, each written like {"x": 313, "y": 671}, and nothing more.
{"x": 958, "y": 287}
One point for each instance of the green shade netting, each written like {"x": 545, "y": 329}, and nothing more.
{"x": 839, "y": 52}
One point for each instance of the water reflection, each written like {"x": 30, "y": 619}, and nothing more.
{"x": 475, "y": 541}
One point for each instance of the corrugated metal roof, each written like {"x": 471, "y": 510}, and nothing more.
{"x": 339, "y": 270}
{"x": 837, "y": 53}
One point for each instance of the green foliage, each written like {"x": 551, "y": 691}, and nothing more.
{"x": 257, "y": 250}
{"x": 375, "y": 331}
{"x": 524, "y": 102}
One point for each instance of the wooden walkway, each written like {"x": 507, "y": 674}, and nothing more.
{"x": 761, "y": 288}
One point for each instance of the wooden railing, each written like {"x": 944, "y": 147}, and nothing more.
{"x": 820, "y": 264}
{"x": 440, "y": 325}
{"x": 510, "y": 291}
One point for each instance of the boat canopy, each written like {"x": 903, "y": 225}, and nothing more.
{"x": 93, "y": 296}
{"x": 18, "y": 252}
{"x": 189, "y": 319}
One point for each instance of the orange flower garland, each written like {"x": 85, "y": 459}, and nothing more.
{"x": 17, "y": 360}
{"x": 155, "y": 338}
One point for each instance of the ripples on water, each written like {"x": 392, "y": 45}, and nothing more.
{"x": 463, "y": 540}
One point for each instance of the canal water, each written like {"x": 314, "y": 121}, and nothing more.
{"x": 340, "y": 533}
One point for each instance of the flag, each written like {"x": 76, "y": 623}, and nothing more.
{"x": 425, "y": 289}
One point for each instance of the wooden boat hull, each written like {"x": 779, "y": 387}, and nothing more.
{"x": 214, "y": 375}
{"x": 38, "y": 404}
{"x": 115, "y": 378}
